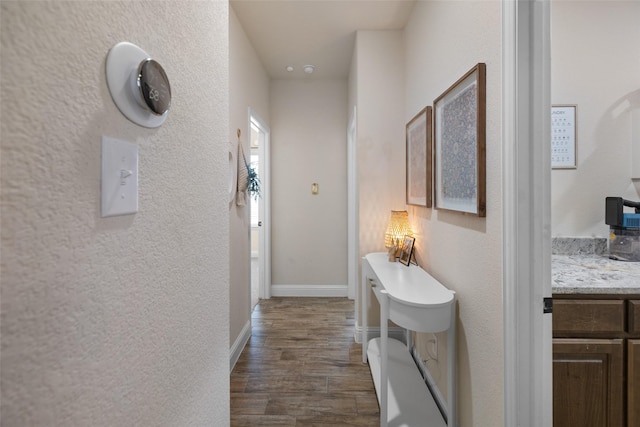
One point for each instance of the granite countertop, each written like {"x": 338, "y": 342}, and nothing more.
{"x": 593, "y": 274}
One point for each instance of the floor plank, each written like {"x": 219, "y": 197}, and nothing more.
{"x": 301, "y": 367}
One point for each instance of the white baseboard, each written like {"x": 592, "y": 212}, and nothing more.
{"x": 397, "y": 333}
{"x": 309, "y": 291}
{"x": 238, "y": 345}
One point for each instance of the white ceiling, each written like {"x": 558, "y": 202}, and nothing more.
{"x": 316, "y": 32}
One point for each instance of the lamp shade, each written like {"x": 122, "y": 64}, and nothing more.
{"x": 397, "y": 229}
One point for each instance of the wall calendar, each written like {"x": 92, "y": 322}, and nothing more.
{"x": 563, "y": 137}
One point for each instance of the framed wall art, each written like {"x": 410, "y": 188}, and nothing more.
{"x": 419, "y": 159}
{"x": 460, "y": 144}
{"x": 563, "y": 136}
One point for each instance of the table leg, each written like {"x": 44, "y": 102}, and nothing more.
{"x": 451, "y": 370}
{"x": 384, "y": 358}
{"x": 364, "y": 304}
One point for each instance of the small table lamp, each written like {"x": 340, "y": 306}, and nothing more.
{"x": 396, "y": 230}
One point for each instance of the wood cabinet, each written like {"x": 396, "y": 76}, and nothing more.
{"x": 633, "y": 385}
{"x": 588, "y": 385}
{"x": 593, "y": 318}
{"x": 634, "y": 318}
{"x": 596, "y": 361}
{"x": 633, "y": 365}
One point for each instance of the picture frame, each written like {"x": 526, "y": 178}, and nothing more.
{"x": 407, "y": 250}
{"x": 419, "y": 159}
{"x": 564, "y": 139}
{"x": 460, "y": 144}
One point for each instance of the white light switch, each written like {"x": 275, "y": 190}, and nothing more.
{"x": 119, "y": 177}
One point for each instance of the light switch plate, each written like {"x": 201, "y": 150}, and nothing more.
{"x": 119, "y": 177}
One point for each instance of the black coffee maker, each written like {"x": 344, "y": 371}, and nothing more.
{"x": 624, "y": 235}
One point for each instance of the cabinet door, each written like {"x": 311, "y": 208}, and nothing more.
{"x": 634, "y": 318}
{"x": 588, "y": 384}
{"x": 633, "y": 376}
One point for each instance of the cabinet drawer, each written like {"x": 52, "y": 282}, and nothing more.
{"x": 634, "y": 318}
{"x": 588, "y": 317}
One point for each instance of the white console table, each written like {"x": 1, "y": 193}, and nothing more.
{"x": 414, "y": 300}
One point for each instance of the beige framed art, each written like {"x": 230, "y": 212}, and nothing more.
{"x": 418, "y": 136}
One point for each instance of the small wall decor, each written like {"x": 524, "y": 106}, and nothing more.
{"x": 243, "y": 175}
{"x": 563, "y": 136}
{"x": 418, "y": 135}
{"x": 407, "y": 250}
{"x": 460, "y": 146}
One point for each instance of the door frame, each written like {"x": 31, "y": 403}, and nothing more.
{"x": 264, "y": 203}
{"x": 526, "y": 139}
{"x": 353, "y": 246}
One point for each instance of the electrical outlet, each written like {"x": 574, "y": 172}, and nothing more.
{"x": 432, "y": 347}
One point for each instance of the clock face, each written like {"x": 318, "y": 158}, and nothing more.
{"x": 154, "y": 86}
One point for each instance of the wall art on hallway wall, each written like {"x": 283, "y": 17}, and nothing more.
{"x": 419, "y": 159}
{"x": 460, "y": 146}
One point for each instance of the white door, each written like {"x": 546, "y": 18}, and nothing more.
{"x": 260, "y": 210}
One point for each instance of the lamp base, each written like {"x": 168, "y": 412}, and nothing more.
{"x": 392, "y": 253}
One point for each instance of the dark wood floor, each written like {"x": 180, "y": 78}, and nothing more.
{"x": 302, "y": 367}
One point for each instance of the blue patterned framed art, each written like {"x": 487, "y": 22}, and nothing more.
{"x": 460, "y": 145}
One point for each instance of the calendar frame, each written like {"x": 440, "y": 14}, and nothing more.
{"x": 573, "y": 124}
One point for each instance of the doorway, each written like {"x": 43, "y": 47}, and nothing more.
{"x": 259, "y": 212}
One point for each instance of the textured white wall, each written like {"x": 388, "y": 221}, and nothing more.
{"x": 443, "y": 41}
{"x": 595, "y": 65}
{"x": 309, "y": 144}
{"x": 381, "y": 142}
{"x": 377, "y": 89}
{"x": 122, "y": 320}
{"x": 248, "y": 87}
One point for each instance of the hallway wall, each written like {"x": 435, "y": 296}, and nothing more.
{"x": 309, "y": 144}
{"x": 248, "y": 87}
{"x": 121, "y": 320}
{"x": 377, "y": 90}
{"x": 444, "y": 40}
{"x": 606, "y": 89}
{"x": 381, "y": 142}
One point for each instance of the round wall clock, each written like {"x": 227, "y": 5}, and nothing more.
{"x": 138, "y": 85}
